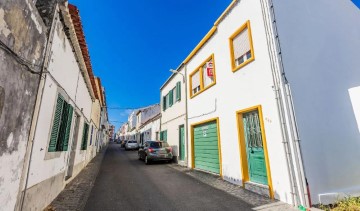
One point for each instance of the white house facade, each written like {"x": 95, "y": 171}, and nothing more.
{"x": 68, "y": 119}
{"x": 245, "y": 123}
{"x": 173, "y": 114}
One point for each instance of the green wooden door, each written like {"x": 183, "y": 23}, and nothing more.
{"x": 206, "y": 150}
{"x": 182, "y": 143}
{"x": 254, "y": 148}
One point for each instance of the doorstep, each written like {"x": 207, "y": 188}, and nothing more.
{"x": 257, "y": 188}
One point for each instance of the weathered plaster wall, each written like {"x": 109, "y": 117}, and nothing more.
{"x": 22, "y": 32}
{"x": 64, "y": 77}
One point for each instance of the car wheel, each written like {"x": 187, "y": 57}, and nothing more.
{"x": 147, "y": 161}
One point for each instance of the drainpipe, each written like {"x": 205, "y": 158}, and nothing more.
{"x": 286, "y": 110}
{"x": 186, "y": 117}
{"x": 40, "y": 92}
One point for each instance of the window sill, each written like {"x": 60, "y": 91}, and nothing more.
{"x": 201, "y": 91}
{"x": 52, "y": 155}
{"x": 234, "y": 69}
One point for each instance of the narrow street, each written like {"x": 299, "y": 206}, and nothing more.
{"x": 125, "y": 183}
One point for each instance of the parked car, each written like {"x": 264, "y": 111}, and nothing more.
{"x": 131, "y": 145}
{"x": 155, "y": 151}
{"x": 118, "y": 141}
{"x": 123, "y": 143}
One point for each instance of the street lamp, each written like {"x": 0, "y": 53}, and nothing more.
{"x": 186, "y": 108}
{"x": 176, "y": 72}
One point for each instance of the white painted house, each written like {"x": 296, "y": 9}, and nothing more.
{"x": 273, "y": 99}
{"x": 173, "y": 114}
{"x": 69, "y": 115}
{"x": 150, "y": 130}
{"x": 147, "y": 123}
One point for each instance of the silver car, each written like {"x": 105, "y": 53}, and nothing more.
{"x": 155, "y": 151}
{"x": 131, "y": 145}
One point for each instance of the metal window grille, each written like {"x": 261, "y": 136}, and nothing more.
{"x": 253, "y": 129}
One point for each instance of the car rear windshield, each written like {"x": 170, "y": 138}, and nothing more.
{"x": 132, "y": 142}
{"x": 158, "y": 144}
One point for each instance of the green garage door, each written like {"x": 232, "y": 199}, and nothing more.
{"x": 206, "y": 150}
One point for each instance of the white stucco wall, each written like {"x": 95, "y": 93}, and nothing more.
{"x": 250, "y": 86}
{"x": 152, "y": 127}
{"x": 173, "y": 116}
{"x": 65, "y": 70}
{"x": 320, "y": 47}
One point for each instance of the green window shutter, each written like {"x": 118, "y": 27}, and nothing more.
{"x": 85, "y": 135}
{"x": 91, "y": 135}
{"x": 56, "y": 124}
{"x": 161, "y": 136}
{"x": 178, "y": 91}
{"x": 164, "y": 103}
{"x": 68, "y": 128}
{"x": 165, "y": 135}
{"x": 171, "y": 98}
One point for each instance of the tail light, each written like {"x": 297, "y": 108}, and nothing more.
{"x": 151, "y": 150}
{"x": 169, "y": 149}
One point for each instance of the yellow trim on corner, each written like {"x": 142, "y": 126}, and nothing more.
{"x": 192, "y": 141}
{"x": 201, "y": 43}
{"x": 210, "y": 33}
{"x": 242, "y": 147}
{"x": 242, "y": 28}
{"x": 197, "y": 69}
{"x": 224, "y": 13}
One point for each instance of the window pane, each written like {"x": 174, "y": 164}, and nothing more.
{"x": 208, "y": 75}
{"x": 241, "y": 45}
{"x": 195, "y": 82}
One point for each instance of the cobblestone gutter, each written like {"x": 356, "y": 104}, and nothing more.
{"x": 76, "y": 193}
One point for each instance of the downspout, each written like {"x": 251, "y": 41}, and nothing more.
{"x": 287, "y": 112}
{"x": 289, "y": 109}
{"x": 284, "y": 134}
{"x": 40, "y": 94}
{"x": 186, "y": 117}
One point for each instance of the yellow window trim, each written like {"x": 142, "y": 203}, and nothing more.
{"x": 242, "y": 147}
{"x": 242, "y": 28}
{"x": 199, "y": 68}
{"x": 192, "y": 141}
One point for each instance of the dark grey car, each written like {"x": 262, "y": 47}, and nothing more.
{"x": 155, "y": 151}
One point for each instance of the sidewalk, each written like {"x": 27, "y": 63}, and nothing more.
{"x": 259, "y": 202}
{"x": 75, "y": 194}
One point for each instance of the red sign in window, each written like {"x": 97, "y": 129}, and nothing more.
{"x": 210, "y": 69}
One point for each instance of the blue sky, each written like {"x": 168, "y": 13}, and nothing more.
{"x": 357, "y": 2}
{"x": 133, "y": 44}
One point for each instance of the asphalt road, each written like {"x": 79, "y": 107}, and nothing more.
{"x": 126, "y": 183}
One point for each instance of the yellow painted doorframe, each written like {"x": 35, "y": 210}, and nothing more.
{"x": 242, "y": 147}
{"x": 192, "y": 141}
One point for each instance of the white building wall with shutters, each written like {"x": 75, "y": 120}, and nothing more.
{"x": 150, "y": 129}
{"x": 65, "y": 78}
{"x": 173, "y": 116}
{"x": 250, "y": 86}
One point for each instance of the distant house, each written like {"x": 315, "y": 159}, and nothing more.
{"x": 142, "y": 122}
{"x": 273, "y": 99}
